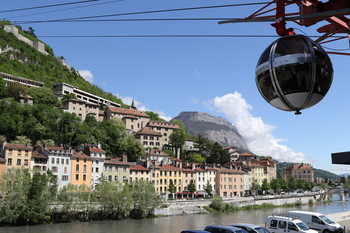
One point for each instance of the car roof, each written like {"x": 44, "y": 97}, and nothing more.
{"x": 290, "y": 218}
{"x": 194, "y": 231}
{"x": 245, "y": 225}
{"x": 305, "y": 212}
{"x": 226, "y": 227}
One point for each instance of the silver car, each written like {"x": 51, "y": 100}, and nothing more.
{"x": 250, "y": 228}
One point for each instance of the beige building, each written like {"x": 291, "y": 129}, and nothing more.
{"x": 164, "y": 128}
{"x": 149, "y": 137}
{"x": 38, "y": 162}
{"x": 301, "y": 171}
{"x": 229, "y": 182}
{"x": 81, "y": 108}
{"x": 17, "y": 156}
{"x": 138, "y": 172}
{"x": 133, "y": 119}
{"x": 270, "y": 169}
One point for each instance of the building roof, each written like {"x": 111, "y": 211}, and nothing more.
{"x": 17, "y": 146}
{"x": 127, "y": 111}
{"x": 163, "y": 124}
{"x": 80, "y": 155}
{"x": 116, "y": 162}
{"x": 138, "y": 168}
{"x": 302, "y": 166}
{"x": 96, "y": 149}
{"x": 188, "y": 170}
{"x": 245, "y": 154}
{"x": 130, "y": 117}
{"x": 38, "y": 155}
{"x": 169, "y": 167}
{"x": 101, "y": 112}
{"x": 148, "y": 131}
{"x": 56, "y": 148}
{"x": 233, "y": 171}
{"x": 156, "y": 152}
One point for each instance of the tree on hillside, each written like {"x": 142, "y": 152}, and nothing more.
{"x": 203, "y": 144}
{"x": 154, "y": 116}
{"x": 43, "y": 95}
{"x": 133, "y": 148}
{"x": 177, "y": 139}
{"x": 22, "y": 140}
{"x": 2, "y": 88}
{"x": 195, "y": 158}
{"x": 218, "y": 155}
{"x": 16, "y": 90}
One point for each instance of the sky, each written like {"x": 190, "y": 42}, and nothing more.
{"x": 169, "y": 75}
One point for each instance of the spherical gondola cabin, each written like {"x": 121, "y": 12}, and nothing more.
{"x": 294, "y": 73}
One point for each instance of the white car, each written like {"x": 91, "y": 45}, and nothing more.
{"x": 282, "y": 224}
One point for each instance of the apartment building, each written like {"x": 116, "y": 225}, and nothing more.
{"x": 17, "y": 156}
{"x": 133, "y": 119}
{"x": 81, "y": 171}
{"x": 300, "y": 171}
{"x": 138, "y": 172}
{"x": 59, "y": 163}
{"x": 98, "y": 157}
{"x": 81, "y": 108}
{"x": 9, "y": 78}
{"x": 62, "y": 89}
{"x": 164, "y": 128}
{"x": 270, "y": 169}
{"x": 167, "y": 173}
{"x": 38, "y": 162}
{"x": 256, "y": 172}
{"x": 149, "y": 137}
{"x": 229, "y": 182}
{"x": 188, "y": 174}
{"x": 116, "y": 170}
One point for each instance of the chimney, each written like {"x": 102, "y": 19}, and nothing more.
{"x": 124, "y": 158}
{"x": 193, "y": 166}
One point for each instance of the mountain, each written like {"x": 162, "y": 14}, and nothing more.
{"x": 214, "y": 128}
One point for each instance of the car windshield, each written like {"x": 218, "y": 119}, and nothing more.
{"x": 325, "y": 219}
{"x": 261, "y": 230}
{"x": 302, "y": 226}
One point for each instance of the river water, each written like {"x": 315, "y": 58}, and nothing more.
{"x": 175, "y": 224}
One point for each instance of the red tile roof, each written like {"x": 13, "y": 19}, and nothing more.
{"x": 38, "y": 155}
{"x": 169, "y": 167}
{"x": 148, "y": 131}
{"x": 81, "y": 155}
{"x": 116, "y": 162}
{"x": 127, "y": 111}
{"x": 245, "y": 154}
{"x": 130, "y": 117}
{"x": 138, "y": 168}
{"x": 17, "y": 146}
{"x": 163, "y": 124}
{"x": 226, "y": 170}
{"x": 94, "y": 149}
{"x": 56, "y": 148}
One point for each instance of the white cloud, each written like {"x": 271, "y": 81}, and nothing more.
{"x": 339, "y": 169}
{"x": 128, "y": 100}
{"x": 194, "y": 101}
{"x": 256, "y": 133}
{"x": 87, "y": 75}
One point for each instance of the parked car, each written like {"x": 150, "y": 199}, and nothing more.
{"x": 224, "y": 229}
{"x": 283, "y": 224}
{"x": 250, "y": 228}
{"x": 317, "y": 221}
{"x": 194, "y": 231}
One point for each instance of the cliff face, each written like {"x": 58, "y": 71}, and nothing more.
{"x": 214, "y": 128}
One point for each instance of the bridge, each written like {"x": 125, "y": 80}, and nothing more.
{"x": 339, "y": 189}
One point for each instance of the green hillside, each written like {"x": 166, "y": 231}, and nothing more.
{"x": 24, "y": 61}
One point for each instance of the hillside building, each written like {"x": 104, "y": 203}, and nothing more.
{"x": 81, "y": 108}
{"x": 301, "y": 171}
{"x": 9, "y": 78}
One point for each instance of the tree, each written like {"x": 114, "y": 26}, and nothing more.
{"x": 177, "y": 139}
{"x": 195, "y": 158}
{"x": 2, "y": 88}
{"x": 172, "y": 188}
{"x": 154, "y": 116}
{"x": 218, "y": 155}
{"x": 192, "y": 187}
{"x": 208, "y": 188}
{"x": 275, "y": 185}
{"x": 145, "y": 199}
{"x": 22, "y": 140}
{"x": 16, "y": 90}
{"x": 292, "y": 185}
{"x": 203, "y": 145}
{"x": 43, "y": 95}
{"x": 265, "y": 185}
{"x": 255, "y": 187}
{"x": 133, "y": 148}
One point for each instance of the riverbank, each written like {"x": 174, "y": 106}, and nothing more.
{"x": 183, "y": 207}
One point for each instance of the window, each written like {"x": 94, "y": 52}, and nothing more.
{"x": 145, "y": 137}
{"x": 84, "y": 169}
{"x": 65, "y": 169}
{"x": 76, "y": 176}
{"x": 9, "y": 161}
{"x": 116, "y": 178}
{"x": 84, "y": 177}
{"x": 273, "y": 223}
{"x": 26, "y": 162}
{"x": 97, "y": 170}
{"x": 58, "y": 161}
{"x": 77, "y": 160}
{"x": 67, "y": 161}
{"x": 52, "y": 160}
{"x": 10, "y": 152}
{"x": 19, "y": 152}
{"x": 292, "y": 226}
{"x": 64, "y": 178}
{"x": 18, "y": 162}
{"x": 54, "y": 169}
{"x": 84, "y": 160}
{"x": 62, "y": 161}
{"x": 282, "y": 224}
{"x": 77, "y": 167}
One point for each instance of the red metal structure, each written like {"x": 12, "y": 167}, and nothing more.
{"x": 310, "y": 12}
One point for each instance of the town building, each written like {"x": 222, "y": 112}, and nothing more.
{"x": 229, "y": 182}
{"x": 116, "y": 170}
{"x": 81, "y": 108}
{"x": 167, "y": 173}
{"x": 133, "y": 119}
{"x": 149, "y": 137}
{"x": 59, "y": 163}
{"x": 38, "y": 162}
{"x": 81, "y": 171}
{"x": 233, "y": 152}
{"x": 138, "y": 172}
{"x": 164, "y": 128}
{"x": 300, "y": 171}
{"x": 270, "y": 169}
{"x": 9, "y": 78}
{"x": 98, "y": 157}
{"x": 62, "y": 89}
{"x": 17, "y": 156}
{"x": 188, "y": 174}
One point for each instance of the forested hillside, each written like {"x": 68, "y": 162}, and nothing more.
{"x": 20, "y": 59}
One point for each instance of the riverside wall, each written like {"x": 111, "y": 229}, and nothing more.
{"x": 180, "y": 207}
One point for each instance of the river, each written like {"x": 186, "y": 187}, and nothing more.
{"x": 175, "y": 224}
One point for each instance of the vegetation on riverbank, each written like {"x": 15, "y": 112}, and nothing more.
{"x": 28, "y": 200}
{"x": 218, "y": 205}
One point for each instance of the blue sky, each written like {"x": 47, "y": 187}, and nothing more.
{"x": 214, "y": 75}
